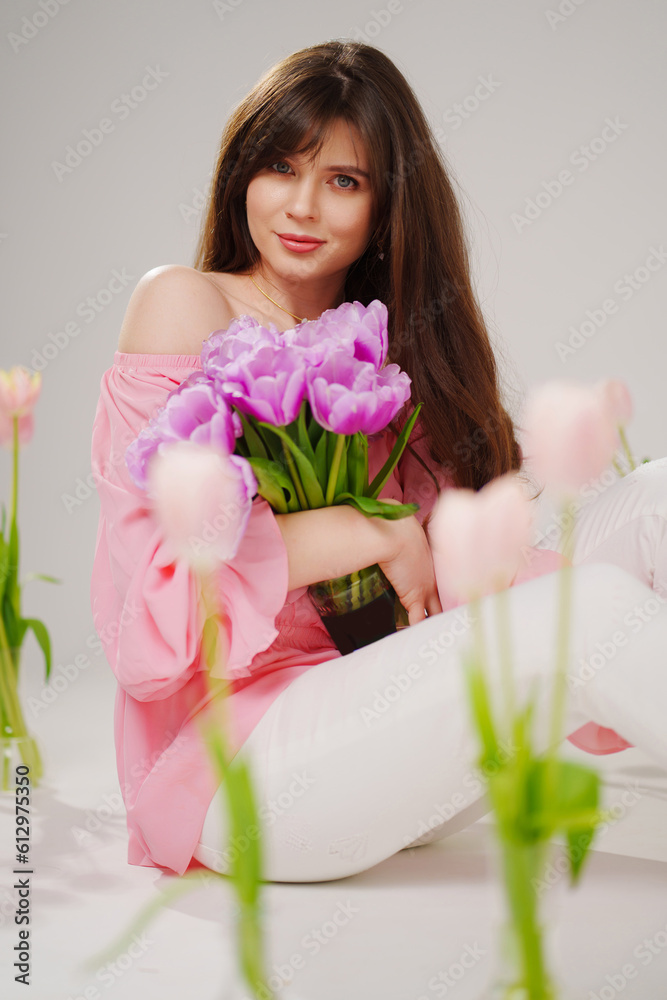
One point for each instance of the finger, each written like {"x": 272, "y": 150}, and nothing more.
{"x": 415, "y": 614}
{"x": 433, "y": 605}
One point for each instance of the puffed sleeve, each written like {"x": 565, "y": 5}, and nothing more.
{"x": 146, "y": 605}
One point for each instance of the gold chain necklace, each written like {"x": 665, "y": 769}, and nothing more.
{"x": 299, "y": 318}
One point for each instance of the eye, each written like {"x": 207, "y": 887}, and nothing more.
{"x": 348, "y": 187}
{"x": 272, "y": 165}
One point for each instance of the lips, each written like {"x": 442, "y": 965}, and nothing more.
{"x": 299, "y": 238}
{"x": 298, "y": 243}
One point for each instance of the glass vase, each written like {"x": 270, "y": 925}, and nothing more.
{"x": 358, "y": 608}
{"x": 528, "y": 961}
{"x": 17, "y": 745}
{"x": 19, "y": 750}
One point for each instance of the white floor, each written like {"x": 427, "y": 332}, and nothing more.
{"x": 418, "y": 926}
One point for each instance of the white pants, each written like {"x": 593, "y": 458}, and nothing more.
{"x": 369, "y": 753}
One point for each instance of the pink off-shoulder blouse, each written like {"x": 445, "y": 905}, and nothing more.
{"x": 146, "y": 606}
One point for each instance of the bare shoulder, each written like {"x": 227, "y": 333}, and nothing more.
{"x": 172, "y": 310}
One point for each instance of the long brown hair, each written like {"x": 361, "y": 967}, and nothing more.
{"x": 437, "y": 333}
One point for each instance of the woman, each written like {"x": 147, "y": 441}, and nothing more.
{"x": 329, "y": 187}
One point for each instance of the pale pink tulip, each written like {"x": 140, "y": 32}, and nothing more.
{"x": 478, "y": 538}
{"x": 202, "y": 498}
{"x": 25, "y": 428}
{"x": 617, "y": 397}
{"x": 19, "y": 390}
{"x": 570, "y": 434}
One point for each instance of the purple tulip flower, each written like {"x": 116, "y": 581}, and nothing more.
{"x": 194, "y": 411}
{"x": 269, "y": 383}
{"x": 359, "y": 329}
{"x": 244, "y": 335}
{"x": 347, "y": 396}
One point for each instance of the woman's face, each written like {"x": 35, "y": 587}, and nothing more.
{"x": 329, "y": 199}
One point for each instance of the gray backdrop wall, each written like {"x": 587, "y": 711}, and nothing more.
{"x": 551, "y": 113}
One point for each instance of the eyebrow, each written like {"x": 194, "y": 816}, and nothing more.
{"x": 347, "y": 168}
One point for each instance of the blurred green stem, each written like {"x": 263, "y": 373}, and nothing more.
{"x": 246, "y": 870}
{"x": 333, "y": 471}
{"x": 562, "y": 651}
{"x": 503, "y": 625}
{"x": 626, "y": 447}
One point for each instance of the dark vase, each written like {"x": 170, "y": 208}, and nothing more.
{"x": 359, "y": 608}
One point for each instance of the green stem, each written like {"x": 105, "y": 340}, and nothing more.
{"x": 15, "y": 466}
{"x": 8, "y": 687}
{"x": 626, "y": 447}
{"x": 562, "y": 647}
{"x": 563, "y": 631}
{"x": 522, "y": 865}
{"x": 12, "y": 714}
{"x": 295, "y": 477}
{"x": 335, "y": 466}
{"x": 502, "y": 620}
{"x": 478, "y": 630}
{"x": 249, "y": 925}
{"x": 617, "y": 465}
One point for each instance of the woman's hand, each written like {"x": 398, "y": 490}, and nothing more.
{"x": 409, "y": 567}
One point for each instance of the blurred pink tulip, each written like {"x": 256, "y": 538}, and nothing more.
{"x": 203, "y": 499}
{"x": 478, "y": 538}
{"x": 617, "y": 397}
{"x": 19, "y": 390}
{"x": 570, "y": 434}
{"x": 25, "y": 427}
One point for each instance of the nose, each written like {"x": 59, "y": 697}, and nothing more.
{"x": 302, "y": 202}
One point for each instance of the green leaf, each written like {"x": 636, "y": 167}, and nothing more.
{"x": 575, "y": 787}
{"x": 519, "y": 766}
{"x": 254, "y": 440}
{"x": 271, "y": 480}
{"x": 4, "y": 565}
{"x": 271, "y": 441}
{"x": 481, "y": 709}
{"x": 505, "y": 794}
{"x": 248, "y": 863}
{"x": 241, "y": 447}
{"x": 42, "y": 636}
{"x": 12, "y": 589}
{"x": 377, "y": 508}
{"x": 40, "y": 576}
{"x": 579, "y": 841}
{"x": 311, "y": 486}
{"x": 315, "y": 430}
{"x": 245, "y": 869}
{"x": 573, "y": 807}
{"x": 396, "y": 452}
{"x": 15, "y": 631}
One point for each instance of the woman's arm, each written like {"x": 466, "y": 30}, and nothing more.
{"x": 333, "y": 541}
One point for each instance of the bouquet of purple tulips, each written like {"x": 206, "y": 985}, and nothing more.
{"x": 293, "y": 411}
